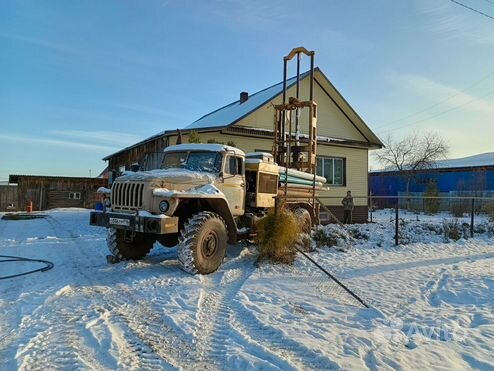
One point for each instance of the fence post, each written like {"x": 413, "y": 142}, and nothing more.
{"x": 396, "y": 221}
{"x": 371, "y": 207}
{"x": 472, "y": 213}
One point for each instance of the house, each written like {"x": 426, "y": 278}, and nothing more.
{"x": 344, "y": 139}
{"x": 49, "y": 192}
{"x": 467, "y": 176}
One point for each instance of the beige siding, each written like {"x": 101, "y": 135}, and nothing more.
{"x": 331, "y": 120}
{"x": 246, "y": 144}
{"x": 356, "y": 173}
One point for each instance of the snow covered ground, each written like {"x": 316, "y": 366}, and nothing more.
{"x": 432, "y": 304}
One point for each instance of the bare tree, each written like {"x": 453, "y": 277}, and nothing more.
{"x": 412, "y": 153}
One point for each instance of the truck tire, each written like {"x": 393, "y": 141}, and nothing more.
{"x": 203, "y": 242}
{"x": 304, "y": 219}
{"x": 123, "y": 249}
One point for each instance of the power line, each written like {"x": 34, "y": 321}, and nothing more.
{"x": 437, "y": 103}
{"x": 472, "y": 9}
{"x": 439, "y": 113}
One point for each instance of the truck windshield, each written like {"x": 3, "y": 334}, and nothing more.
{"x": 197, "y": 161}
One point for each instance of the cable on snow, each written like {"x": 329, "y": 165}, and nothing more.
{"x": 8, "y": 258}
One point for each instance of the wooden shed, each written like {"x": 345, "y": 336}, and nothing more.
{"x": 50, "y": 192}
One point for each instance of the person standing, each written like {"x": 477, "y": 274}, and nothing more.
{"x": 347, "y": 203}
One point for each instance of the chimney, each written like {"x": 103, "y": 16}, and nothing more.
{"x": 244, "y": 97}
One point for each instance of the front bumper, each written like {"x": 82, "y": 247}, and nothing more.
{"x": 156, "y": 224}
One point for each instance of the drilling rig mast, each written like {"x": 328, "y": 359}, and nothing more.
{"x": 289, "y": 148}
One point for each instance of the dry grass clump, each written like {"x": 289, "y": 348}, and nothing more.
{"x": 277, "y": 236}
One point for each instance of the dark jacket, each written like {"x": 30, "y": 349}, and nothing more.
{"x": 347, "y": 203}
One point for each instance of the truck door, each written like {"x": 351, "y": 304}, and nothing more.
{"x": 234, "y": 183}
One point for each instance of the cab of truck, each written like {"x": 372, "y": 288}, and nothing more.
{"x": 225, "y": 164}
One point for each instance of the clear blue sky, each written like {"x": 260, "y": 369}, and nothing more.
{"x": 82, "y": 79}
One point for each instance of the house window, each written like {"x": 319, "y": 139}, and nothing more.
{"x": 74, "y": 195}
{"x": 333, "y": 169}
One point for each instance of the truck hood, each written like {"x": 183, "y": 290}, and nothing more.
{"x": 163, "y": 178}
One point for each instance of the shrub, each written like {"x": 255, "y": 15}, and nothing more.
{"x": 434, "y": 228}
{"x": 277, "y": 235}
{"x": 194, "y": 137}
{"x": 358, "y": 234}
{"x": 331, "y": 235}
{"x": 453, "y": 230}
{"x": 320, "y": 238}
{"x": 432, "y": 204}
{"x": 230, "y": 143}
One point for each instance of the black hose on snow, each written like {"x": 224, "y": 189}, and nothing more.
{"x": 341, "y": 284}
{"x": 7, "y": 258}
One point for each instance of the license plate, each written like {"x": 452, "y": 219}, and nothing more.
{"x": 120, "y": 221}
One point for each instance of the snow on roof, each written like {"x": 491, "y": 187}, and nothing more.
{"x": 213, "y": 147}
{"x": 235, "y": 111}
{"x": 483, "y": 159}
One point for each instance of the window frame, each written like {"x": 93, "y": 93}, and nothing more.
{"x": 74, "y": 195}
{"x": 239, "y": 161}
{"x": 333, "y": 159}
{"x": 186, "y": 165}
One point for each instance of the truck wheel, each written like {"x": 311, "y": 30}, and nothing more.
{"x": 203, "y": 241}
{"x": 124, "y": 249}
{"x": 304, "y": 219}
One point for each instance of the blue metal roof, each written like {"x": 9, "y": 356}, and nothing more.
{"x": 234, "y": 112}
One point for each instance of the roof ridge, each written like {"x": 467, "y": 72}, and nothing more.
{"x": 302, "y": 75}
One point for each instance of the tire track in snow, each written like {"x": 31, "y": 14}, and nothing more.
{"x": 58, "y": 337}
{"x": 274, "y": 341}
{"x": 214, "y": 313}
{"x": 151, "y": 330}
{"x": 147, "y": 329}
{"x": 221, "y": 319}
{"x": 147, "y": 340}
{"x": 135, "y": 352}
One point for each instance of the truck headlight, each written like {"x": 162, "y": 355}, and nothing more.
{"x": 164, "y": 206}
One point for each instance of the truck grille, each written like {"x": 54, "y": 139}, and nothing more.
{"x": 127, "y": 196}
